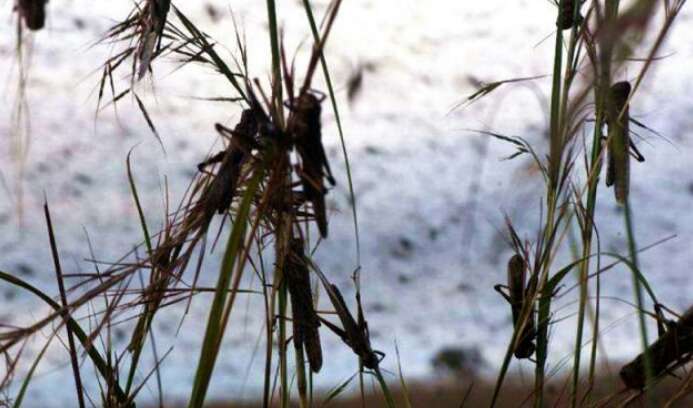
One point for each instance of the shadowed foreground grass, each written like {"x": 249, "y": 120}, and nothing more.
{"x": 516, "y": 392}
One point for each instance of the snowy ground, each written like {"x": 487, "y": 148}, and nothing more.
{"x": 430, "y": 196}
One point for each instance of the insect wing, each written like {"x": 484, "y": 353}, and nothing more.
{"x": 517, "y": 276}
{"x": 619, "y": 141}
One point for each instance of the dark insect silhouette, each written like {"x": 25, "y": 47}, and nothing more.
{"x": 33, "y": 12}
{"x": 355, "y": 335}
{"x": 223, "y": 187}
{"x": 305, "y": 320}
{"x": 566, "y": 17}
{"x": 672, "y": 349}
{"x": 355, "y": 84}
{"x": 619, "y": 145}
{"x": 354, "y": 332}
{"x": 305, "y": 128}
{"x": 520, "y": 297}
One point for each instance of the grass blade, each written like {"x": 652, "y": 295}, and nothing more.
{"x": 65, "y": 308}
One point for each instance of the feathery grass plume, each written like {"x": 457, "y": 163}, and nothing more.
{"x": 152, "y": 21}
{"x": 33, "y": 12}
{"x": 145, "y": 25}
{"x": 486, "y": 88}
{"x": 618, "y": 165}
{"x": 672, "y": 349}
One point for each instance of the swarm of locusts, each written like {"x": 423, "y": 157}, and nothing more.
{"x": 282, "y": 168}
{"x": 271, "y": 179}
{"x": 275, "y": 173}
{"x": 594, "y": 45}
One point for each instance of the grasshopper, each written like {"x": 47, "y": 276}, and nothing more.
{"x": 518, "y": 296}
{"x": 672, "y": 349}
{"x": 354, "y": 333}
{"x": 33, "y": 12}
{"x": 619, "y": 143}
{"x": 305, "y": 128}
{"x": 223, "y": 187}
{"x": 305, "y": 320}
{"x": 566, "y": 17}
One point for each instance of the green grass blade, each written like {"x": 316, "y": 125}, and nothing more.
{"x": 97, "y": 360}
{"x": 214, "y": 332}
{"x": 389, "y": 399}
{"x": 140, "y": 211}
{"x": 139, "y": 335}
{"x": 277, "y": 99}
{"x": 334, "y": 393}
{"x": 335, "y": 109}
{"x": 402, "y": 382}
{"x": 25, "y": 383}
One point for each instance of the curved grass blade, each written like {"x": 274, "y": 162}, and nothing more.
{"x": 335, "y": 109}
{"x": 338, "y": 390}
{"x": 25, "y": 384}
{"x": 103, "y": 368}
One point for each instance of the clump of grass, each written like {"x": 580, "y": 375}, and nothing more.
{"x": 270, "y": 180}
{"x": 597, "y": 44}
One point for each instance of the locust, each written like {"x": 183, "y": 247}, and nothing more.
{"x": 672, "y": 349}
{"x": 520, "y": 297}
{"x": 305, "y": 320}
{"x": 566, "y": 16}
{"x": 305, "y": 129}
{"x": 354, "y": 332}
{"x": 33, "y": 12}
{"x": 355, "y": 335}
{"x": 619, "y": 143}
{"x": 223, "y": 187}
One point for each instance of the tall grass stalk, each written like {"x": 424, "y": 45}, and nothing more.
{"x": 599, "y": 35}
{"x": 553, "y": 193}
